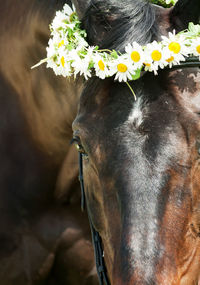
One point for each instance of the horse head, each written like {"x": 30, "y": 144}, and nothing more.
{"x": 141, "y": 158}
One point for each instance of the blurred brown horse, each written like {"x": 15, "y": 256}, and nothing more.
{"x": 44, "y": 238}
{"x": 142, "y": 160}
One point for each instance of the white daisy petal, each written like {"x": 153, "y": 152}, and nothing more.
{"x": 68, "y": 10}
{"x": 81, "y": 66}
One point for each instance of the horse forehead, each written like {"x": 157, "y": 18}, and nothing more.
{"x": 120, "y": 116}
{"x": 121, "y": 120}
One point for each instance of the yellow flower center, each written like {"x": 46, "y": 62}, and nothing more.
{"x": 156, "y": 55}
{"x": 62, "y": 60}
{"x": 174, "y": 47}
{"x": 198, "y": 48}
{"x": 170, "y": 59}
{"x": 147, "y": 64}
{"x": 122, "y": 67}
{"x": 101, "y": 65}
{"x": 135, "y": 56}
{"x": 61, "y": 43}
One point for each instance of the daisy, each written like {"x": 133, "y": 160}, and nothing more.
{"x": 122, "y": 68}
{"x": 51, "y": 50}
{"x": 56, "y": 45}
{"x": 91, "y": 52}
{"x": 80, "y": 41}
{"x": 149, "y": 67}
{"x": 51, "y": 54}
{"x": 68, "y": 10}
{"x": 195, "y": 47}
{"x": 52, "y": 63}
{"x": 171, "y": 60}
{"x": 59, "y": 21}
{"x": 68, "y": 51}
{"x": 60, "y": 42}
{"x": 135, "y": 54}
{"x": 71, "y": 26}
{"x": 81, "y": 66}
{"x": 157, "y": 55}
{"x": 176, "y": 45}
{"x": 63, "y": 65}
{"x": 62, "y": 19}
{"x": 101, "y": 67}
{"x": 154, "y": 57}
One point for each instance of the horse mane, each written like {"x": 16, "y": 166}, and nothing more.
{"x": 112, "y": 24}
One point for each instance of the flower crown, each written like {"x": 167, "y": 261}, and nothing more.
{"x": 68, "y": 52}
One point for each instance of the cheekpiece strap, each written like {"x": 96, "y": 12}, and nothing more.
{"x": 96, "y": 239}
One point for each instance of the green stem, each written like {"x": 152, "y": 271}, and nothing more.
{"x": 39, "y": 63}
{"x": 129, "y": 86}
{"x": 102, "y": 50}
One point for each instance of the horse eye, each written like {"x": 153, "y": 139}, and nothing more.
{"x": 77, "y": 142}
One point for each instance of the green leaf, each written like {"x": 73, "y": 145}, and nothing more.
{"x": 70, "y": 47}
{"x": 91, "y": 65}
{"x": 81, "y": 53}
{"x": 70, "y": 32}
{"x": 194, "y": 29}
{"x": 83, "y": 33}
{"x": 164, "y": 3}
{"x": 114, "y": 54}
{"x": 137, "y": 74}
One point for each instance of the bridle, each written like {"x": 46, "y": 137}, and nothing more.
{"x": 190, "y": 62}
{"x": 96, "y": 239}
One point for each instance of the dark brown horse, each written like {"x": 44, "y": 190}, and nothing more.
{"x": 141, "y": 166}
{"x": 141, "y": 160}
{"x": 44, "y": 237}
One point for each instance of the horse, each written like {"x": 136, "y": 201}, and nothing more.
{"x": 141, "y": 157}
{"x": 44, "y": 237}
{"x": 141, "y": 161}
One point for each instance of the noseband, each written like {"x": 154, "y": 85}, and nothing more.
{"x": 96, "y": 239}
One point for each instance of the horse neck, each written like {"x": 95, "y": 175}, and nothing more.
{"x": 49, "y": 103}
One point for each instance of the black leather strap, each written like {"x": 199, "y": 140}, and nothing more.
{"x": 189, "y": 62}
{"x": 96, "y": 239}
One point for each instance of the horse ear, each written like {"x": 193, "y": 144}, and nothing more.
{"x": 98, "y": 20}
{"x": 81, "y": 7}
{"x": 185, "y": 11}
